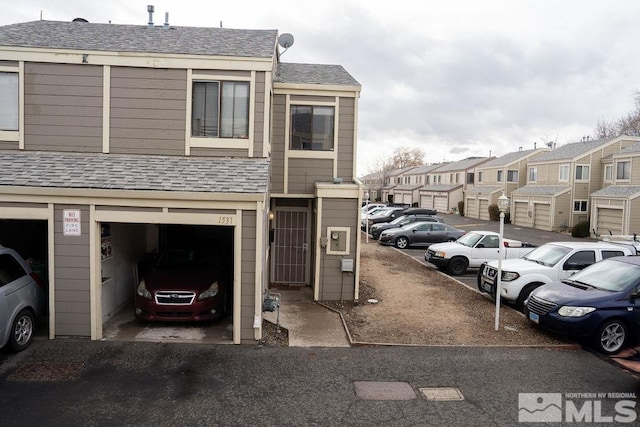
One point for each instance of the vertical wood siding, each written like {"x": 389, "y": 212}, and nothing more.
{"x": 303, "y": 173}
{"x": 148, "y": 110}
{"x": 259, "y": 108}
{"x": 63, "y": 107}
{"x": 72, "y": 276}
{"x": 278, "y": 137}
{"x": 346, "y": 126}
{"x": 247, "y": 275}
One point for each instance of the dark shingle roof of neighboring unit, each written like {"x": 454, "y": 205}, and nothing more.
{"x": 617, "y": 191}
{"x": 635, "y": 148}
{"x": 139, "y": 38}
{"x": 440, "y": 187}
{"x": 510, "y": 158}
{"x": 425, "y": 169}
{"x": 571, "y": 151}
{"x": 461, "y": 164}
{"x": 543, "y": 190}
{"x": 314, "y": 74}
{"x": 407, "y": 187}
{"x": 484, "y": 189}
{"x": 133, "y": 172}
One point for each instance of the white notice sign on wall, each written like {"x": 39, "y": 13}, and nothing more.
{"x": 71, "y": 222}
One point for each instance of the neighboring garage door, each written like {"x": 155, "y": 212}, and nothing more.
{"x": 542, "y": 216}
{"x": 440, "y": 203}
{"x": 406, "y": 198}
{"x": 470, "y": 207}
{"x": 426, "y": 201}
{"x": 609, "y": 221}
{"x": 520, "y": 213}
{"x": 484, "y": 209}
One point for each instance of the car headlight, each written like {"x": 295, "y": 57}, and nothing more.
{"x": 440, "y": 254}
{"x": 570, "y": 311}
{"x": 508, "y": 276}
{"x": 209, "y": 293}
{"x": 143, "y": 292}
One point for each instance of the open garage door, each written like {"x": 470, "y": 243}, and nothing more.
{"x": 610, "y": 221}
{"x": 178, "y": 264}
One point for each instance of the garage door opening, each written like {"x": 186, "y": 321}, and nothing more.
{"x": 30, "y": 239}
{"x": 178, "y": 265}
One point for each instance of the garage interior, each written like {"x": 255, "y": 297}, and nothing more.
{"x": 29, "y": 239}
{"x": 128, "y": 251}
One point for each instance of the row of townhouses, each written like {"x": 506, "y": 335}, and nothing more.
{"x": 118, "y": 141}
{"x": 549, "y": 189}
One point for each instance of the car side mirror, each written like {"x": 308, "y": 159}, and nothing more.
{"x": 480, "y": 245}
{"x": 634, "y": 295}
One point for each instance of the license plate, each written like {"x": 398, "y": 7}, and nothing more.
{"x": 487, "y": 287}
{"x": 534, "y": 317}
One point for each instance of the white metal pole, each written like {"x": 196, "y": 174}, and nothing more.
{"x": 501, "y": 252}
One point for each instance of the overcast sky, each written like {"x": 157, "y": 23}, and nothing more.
{"x": 455, "y": 79}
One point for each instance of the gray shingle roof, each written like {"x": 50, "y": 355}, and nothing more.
{"x": 635, "y": 148}
{"x": 618, "y": 191}
{"x": 440, "y": 187}
{"x": 462, "y": 164}
{"x": 314, "y": 74}
{"x": 543, "y": 190}
{"x": 484, "y": 189}
{"x": 571, "y": 151}
{"x": 512, "y": 157}
{"x": 138, "y": 38}
{"x": 131, "y": 172}
{"x": 424, "y": 169}
{"x": 407, "y": 187}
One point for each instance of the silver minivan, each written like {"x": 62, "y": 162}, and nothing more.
{"x": 21, "y": 301}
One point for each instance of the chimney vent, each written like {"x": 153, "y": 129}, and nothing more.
{"x": 166, "y": 20}
{"x": 150, "y": 9}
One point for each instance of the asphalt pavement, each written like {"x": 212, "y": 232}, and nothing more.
{"x": 68, "y": 382}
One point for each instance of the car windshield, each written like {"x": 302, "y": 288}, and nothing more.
{"x": 469, "y": 239}
{"x": 608, "y": 275}
{"x": 548, "y": 255}
{"x": 179, "y": 259}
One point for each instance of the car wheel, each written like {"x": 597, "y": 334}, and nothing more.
{"x": 611, "y": 336}
{"x": 22, "y": 331}
{"x": 524, "y": 294}
{"x": 402, "y": 243}
{"x": 458, "y": 265}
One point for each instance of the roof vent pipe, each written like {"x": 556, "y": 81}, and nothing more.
{"x": 150, "y": 9}
{"x": 166, "y": 20}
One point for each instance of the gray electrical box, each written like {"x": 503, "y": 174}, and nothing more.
{"x": 347, "y": 266}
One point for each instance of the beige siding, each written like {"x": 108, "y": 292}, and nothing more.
{"x": 548, "y": 173}
{"x": 635, "y": 171}
{"x": 346, "y": 123}
{"x": 634, "y": 220}
{"x": 278, "y": 144}
{"x": 148, "y": 110}
{"x": 259, "y": 108}
{"x": 303, "y": 173}
{"x": 248, "y": 275}
{"x": 334, "y": 284}
{"x": 9, "y": 145}
{"x": 218, "y": 152}
{"x": 72, "y": 277}
{"x": 63, "y": 107}
{"x": 563, "y": 211}
{"x": 581, "y": 191}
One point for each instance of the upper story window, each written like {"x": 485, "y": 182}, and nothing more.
{"x": 564, "y": 173}
{"x": 312, "y": 128}
{"x": 470, "y": 176}
{"x": 220, "y": 109}
{"x": 623, "y": 170}
{"x": 9, "y": 101}
{"x": 582, "y": 173}
{"x": 533, "y": 174}
{"x": 500, "y": 178}
{"x": 608, "y": 173}
{"x": 512, "y": 176}
{"x": 439, "y": 179}
{"x": 480, "y": 176}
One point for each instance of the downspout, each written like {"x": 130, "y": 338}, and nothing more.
{"x": 356, "y": 287}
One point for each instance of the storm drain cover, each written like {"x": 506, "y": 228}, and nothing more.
{"x": 384, "y": 390}
{"x": 46, "y": 371}
{"x": 442, "y": 393}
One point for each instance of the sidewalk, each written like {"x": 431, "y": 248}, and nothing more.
{"x": 309, "y": 324}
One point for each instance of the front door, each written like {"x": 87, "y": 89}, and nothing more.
{"x": 291, "y": 247}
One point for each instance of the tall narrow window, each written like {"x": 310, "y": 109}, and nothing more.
{"x": 220, "y": 113}
{"x": 623, "y": 170}
{"x": 312, "y": 128}
{"x": 499, "y": 177}
{"x": 533, "y": 174}
{"x": 564, "y": 173}
{"x": 8, "y": 101}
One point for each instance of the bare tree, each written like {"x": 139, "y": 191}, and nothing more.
{"x": 629, "y": 124}
{"x": 404, "y": 157}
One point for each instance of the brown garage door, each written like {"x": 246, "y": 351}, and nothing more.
{"x": 609, "y": 220}
{"x": 426, "y": 201}
{"x": 542, "y": 216}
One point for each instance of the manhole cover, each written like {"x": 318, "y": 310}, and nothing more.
{"x": 442, "y": 393}
{"x": 46, "y": 371}
{"x": 384, "y": 390}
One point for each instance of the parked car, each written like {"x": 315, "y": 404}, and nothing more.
{"x": 377, "y": 229}
{"x": 21, "y": 301}
{"x": 184, "y": 285}
{"x": 473, "y": 249}
{"x": 422, "y": 211}
{"x": 599, "y": 303}
{"x": 385, "y": 215}
{"x": 375, "y": 210}
{"x": 420, "y": 234}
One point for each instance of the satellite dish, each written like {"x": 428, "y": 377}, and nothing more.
{"x": 285, "y": 40}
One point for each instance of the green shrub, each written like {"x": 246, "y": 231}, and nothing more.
{"x": 461, "y": 207}
{"x": 581, "y": 229}
{"x": 494, "y": 213}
